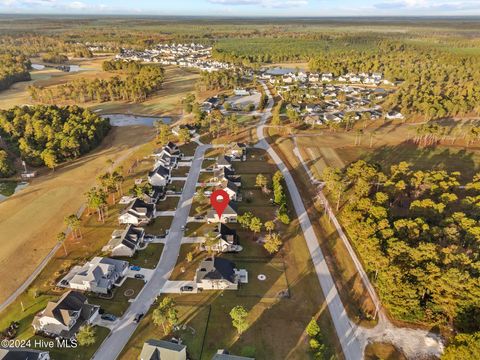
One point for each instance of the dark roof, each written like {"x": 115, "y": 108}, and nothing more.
{"x": 21, "y": 354}
{"x": 132, "y": 236}
{"x": 162, "y": 350}
{"x": 138, "y": 204}
{"x": 223, "y": 269}
{"x": 71, "y": 301}
{"x": 228, "y": 234}
{"x": 161, "y": 170}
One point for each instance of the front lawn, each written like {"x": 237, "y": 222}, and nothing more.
{"x": 147, "y": 258}
{"x": 118, "y": 304}
{"x": 170, "y": 203}
{"x": 185, "y": 270}
{"x": 159, "y": 225}
{"x": 79, "y": 353}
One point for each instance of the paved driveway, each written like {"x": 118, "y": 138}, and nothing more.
{"x": 173, "y": 287}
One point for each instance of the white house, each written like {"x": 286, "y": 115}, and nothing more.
{"x": 64, "y": 317}
{"x": 161, "y": 349}
{"x": 23, "y": 354}
{"x": 137, "y": 213}
{"x": 216, "y": 273}
{"x": 231, "y": 189}
{"x": 237, "y": 151}
{"x": 125, "y": 242}
{"x": 160, "y": 176}
{"x": 229, "y": 215}
{"x": 227, "y": 240}
{"x": 98, "y": 275}
{"x": 392, "y": 115}
{"x": 241, "y": 92}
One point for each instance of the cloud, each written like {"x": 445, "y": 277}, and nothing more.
{"x": 263, "y": 3}
{"x": 429, "y": 5}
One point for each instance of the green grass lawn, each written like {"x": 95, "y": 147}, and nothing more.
{"x": 79, "y": 353}
{"x": 207, "y": 163}
{"x": 170, "y": 203}
{"x": 146, "y": 258}
{"x": 159, "y": 225}
{"x": 119, "y": 303}
{"x": 188, "y": 149}
{"x": 198, "y": 228}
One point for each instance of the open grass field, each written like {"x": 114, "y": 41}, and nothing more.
{"x": 146, "y": 258}
{"x": 31, "y": 218}
{"x": 382, "y": 351}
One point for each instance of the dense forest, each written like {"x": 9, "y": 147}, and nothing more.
{"x": 13, "y": 69}
{"x": 49, "y": 135}
{"x": 55, "y": 58}
{"x": 135, "y": 83}
{"x": 219, "y": 80}
{"x": 418, "y": 235}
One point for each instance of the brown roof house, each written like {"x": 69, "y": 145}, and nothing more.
{"x": 64, "y": 317}
{"x": 229, "y": 215}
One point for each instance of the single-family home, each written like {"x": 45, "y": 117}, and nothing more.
{"x": 160, "y": 176}
{"x": 237, "y": 151}
{"x": 172, "y": 149}
{"x": 222, "y": 174}
{"x": 154, "y": 195}
{"x": 225, "y": 355}
{"x": 227, "y": 240}
{"x": 231, "y": 189}
{"x": 64, "y": 317}
{"x": 125, "y": 242}
{"x": 23, "y": 354}
{"x": 229, "y": 215}
{"x": 327, "y": 77}
{"x": 137, "y": 213}
{"x": 313, "y": 77}
{"x": 98, "y": 275}
{"x": 163, "y": 350}
{"x": 391, "y": 115}
{"x": 223, "y": 162}
{"x": 215, "y": 273}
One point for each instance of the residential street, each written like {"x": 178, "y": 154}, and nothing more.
{"x": 124, "y": 327}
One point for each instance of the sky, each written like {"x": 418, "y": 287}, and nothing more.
{"x": 311, "y": 8}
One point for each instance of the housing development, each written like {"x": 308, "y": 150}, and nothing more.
{"x": 243, "y": 187}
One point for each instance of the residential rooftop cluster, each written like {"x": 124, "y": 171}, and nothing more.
{"x": 191, "y": 55}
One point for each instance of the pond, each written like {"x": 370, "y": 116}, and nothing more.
{"x": 8, "y": 188}
{"x": 66, "y": 68}
{"x": 129, "y": 120}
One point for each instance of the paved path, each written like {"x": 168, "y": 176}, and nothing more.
{"x": 124, "y": 327}
{"x": 352, "y": 344}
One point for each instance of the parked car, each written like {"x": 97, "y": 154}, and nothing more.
{"x": 139, "y": 276}
{"x": 183, "y": 227}
{"x": 109, "y": 317}
{"x": 199, "y": 217}
{"x": 138, "y": 317}
{"x": 135, "y": 268}
{"x": 186, "y": 288}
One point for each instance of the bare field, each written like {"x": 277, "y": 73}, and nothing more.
{"x": 31, "y": 218}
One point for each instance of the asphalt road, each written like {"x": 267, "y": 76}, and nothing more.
{"x": 124, "y": 328}
{"x": 352, "y": 344}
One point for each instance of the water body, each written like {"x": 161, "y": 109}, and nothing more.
{"x": 8, "y": 188}
{"x": 66, "y": 68}
{"x": 129, "y": 120}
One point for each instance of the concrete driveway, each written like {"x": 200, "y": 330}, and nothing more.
{"x": 173, "y": 287}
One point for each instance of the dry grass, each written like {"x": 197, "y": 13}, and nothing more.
{"x": 31, "y": 219}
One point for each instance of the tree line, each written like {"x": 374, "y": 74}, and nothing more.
{"x": 419, "y": 238}
{"x": 13, "y": 68}
{"x": 136, "y": 85}
{"x": 49, "y": 135}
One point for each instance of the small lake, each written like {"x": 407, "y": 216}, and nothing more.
{"x": 129, "y": 120}
{"x": 8, "y": 188}
{"x": 71, "y": 68}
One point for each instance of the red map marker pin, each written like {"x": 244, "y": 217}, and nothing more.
{"x": 219, "y": 200}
